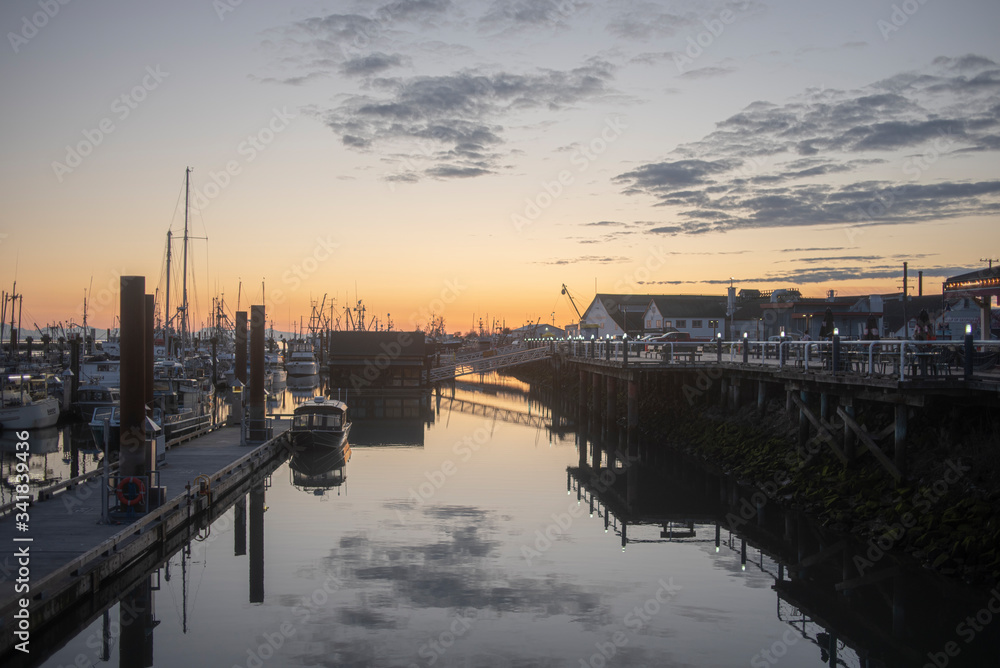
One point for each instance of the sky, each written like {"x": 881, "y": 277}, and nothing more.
{"x": 467, "y": 159}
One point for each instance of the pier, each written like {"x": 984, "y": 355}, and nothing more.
{"x": 826, "y": 385}
{"x": 74, "y": 558}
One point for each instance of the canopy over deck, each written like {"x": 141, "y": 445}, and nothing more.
{"x": 982, "y": 285}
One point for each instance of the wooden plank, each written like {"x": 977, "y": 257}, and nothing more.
{"x": 867, "y": 440}
{"x": 824, "y": 435}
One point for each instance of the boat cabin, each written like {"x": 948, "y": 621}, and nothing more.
{"x": 320, "y": 414}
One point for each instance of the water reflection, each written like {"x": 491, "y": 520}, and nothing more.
{"x": 445, "y": 554}
{"x": 855, "y": 611}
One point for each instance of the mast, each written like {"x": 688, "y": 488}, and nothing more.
{"x": 184, "y": 279}
{"x": 166, "y": 322}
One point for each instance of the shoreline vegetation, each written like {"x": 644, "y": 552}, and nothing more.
{"x": 944, "y": 516}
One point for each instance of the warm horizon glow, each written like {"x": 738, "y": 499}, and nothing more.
{"x": 469, "y": 160}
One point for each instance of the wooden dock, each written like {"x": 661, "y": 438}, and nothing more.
{"x": 72, "y": 554}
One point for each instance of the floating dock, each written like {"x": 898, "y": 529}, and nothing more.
{"x": 72, "y": 555}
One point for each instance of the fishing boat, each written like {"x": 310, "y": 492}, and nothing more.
{"x": 301, "y": 362}
{"x": 320, "y": 423}
{"x": 89, "y": 397}
{"x": 25, "y": 406}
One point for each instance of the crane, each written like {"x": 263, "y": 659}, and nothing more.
{"x": 565, "y": 291}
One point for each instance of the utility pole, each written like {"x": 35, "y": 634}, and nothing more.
{"x": 906, "y": 323}
{"x": 991, "y": 260}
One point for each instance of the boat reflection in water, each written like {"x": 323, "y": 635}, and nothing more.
{"x": 320, "y": 450}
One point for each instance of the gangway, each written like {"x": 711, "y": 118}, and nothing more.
{"x": 485, "y": 364}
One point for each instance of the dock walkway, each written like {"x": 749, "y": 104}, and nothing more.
{"x": 66, "y": 530}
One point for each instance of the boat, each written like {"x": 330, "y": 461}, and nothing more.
{"x": 301, "y": 362}
{"x": 25, "y": 406}
{"x": 320, "y": 423}
{"x": 89, "y": 397}
{"x": 101, "y": 372}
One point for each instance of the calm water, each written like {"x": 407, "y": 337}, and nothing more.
{"x": 463, "y": 539}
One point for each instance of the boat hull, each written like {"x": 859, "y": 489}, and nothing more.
{"x": 36, "y": 415}
{"x": 314, "y": 438}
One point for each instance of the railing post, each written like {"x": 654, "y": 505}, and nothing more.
{"x": 746, "y": 348}
{"x": 968, "y": 353}
{"x": 718, "y": 348}
{"x": 836, "y": 354}
{"x": 902, "y": 360}
{"x": 625, "y": 348}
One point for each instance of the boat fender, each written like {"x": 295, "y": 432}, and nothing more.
{"x": 130, "y": 491}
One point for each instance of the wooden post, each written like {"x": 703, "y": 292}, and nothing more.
{"x": 132, "y": 454}
{"x": 902, "y": 413}
{"x": 803, "y": 420}
{"x": 240, "y": 340}
{"x": 850, "y": 440}
{"x": 633, "y": 416}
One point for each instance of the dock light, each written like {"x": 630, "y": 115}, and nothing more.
{"x": 836, "y": 331}
{"x": 782, "y": 331}
{"x": 968, "y": 328}
{"x": 719, "y": 335}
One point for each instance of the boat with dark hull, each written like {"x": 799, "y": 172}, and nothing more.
{"x": 320, "y": 423}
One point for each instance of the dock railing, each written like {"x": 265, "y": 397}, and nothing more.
{"x": 886, "y": 358}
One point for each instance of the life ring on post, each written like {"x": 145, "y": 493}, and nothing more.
{"x": 130, "y": 491}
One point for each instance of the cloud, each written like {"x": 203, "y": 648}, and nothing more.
{"x": 828, "y": 274}
{"x": 587, "y": 259}
{"x": 708, "y": 72}
{"x": 369, "y": 65}
{"x": 770, "y": 165}
{"x": 504, "y": 16}
{"x": 454, "y": 120}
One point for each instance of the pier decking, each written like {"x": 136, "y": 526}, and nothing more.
{"x": 72, "y": 552}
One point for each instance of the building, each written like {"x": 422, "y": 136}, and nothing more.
{"x": 701, "y": 316}
{"x": 614, "y": 315}
{"x": 379, "y": 360}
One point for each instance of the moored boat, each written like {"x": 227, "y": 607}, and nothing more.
{"x": 320, "y": 423}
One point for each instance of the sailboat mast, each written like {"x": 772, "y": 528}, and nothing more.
{"x": 184, "y": 279}
{"x": 166, "y": 322}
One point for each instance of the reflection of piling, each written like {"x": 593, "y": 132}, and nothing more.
{"x": 240, "y": 372}
{"x": 133, "y": 461}
{"x": 257, "y": 544}
{"x": 135, "y": 618}
{"x": 240, "y": 533}
{"x": 258, "y": 431}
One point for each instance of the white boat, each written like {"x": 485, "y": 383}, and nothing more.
{"x": 301, "y": 362}
{"x": 104, "y": 372}
{"x": 19, "y": 410}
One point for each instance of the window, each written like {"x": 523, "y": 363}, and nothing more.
{"x": 666, "y": 323}
{"x": 681, "y": 323}
{"x": 649, "y": 323}
{"x": 696, "y": 324}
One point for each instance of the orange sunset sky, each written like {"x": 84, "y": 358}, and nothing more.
{"x": 470, "y": 158}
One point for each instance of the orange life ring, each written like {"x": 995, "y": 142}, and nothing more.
{"x": 133, "y": 485}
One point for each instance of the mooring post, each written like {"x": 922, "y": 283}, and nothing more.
{"x": 258, "y": 422}
{"x": 240, "y": 341}
{"x": 133, "y": 455}
{"x": 902, "y": 413}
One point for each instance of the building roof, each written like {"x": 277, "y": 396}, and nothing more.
{"x": 981, "y": 283}
{"x": 372, "y": 344}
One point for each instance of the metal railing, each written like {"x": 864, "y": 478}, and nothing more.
{"x": 483, "y": 364}
{"x": 886, "y": 358}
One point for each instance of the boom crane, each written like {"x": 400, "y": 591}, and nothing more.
{"x": 565, "y": 291}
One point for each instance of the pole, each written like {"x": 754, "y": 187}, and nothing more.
{"x": 105, "y": 518}
{"x": 184, "y": 277}
{"x": 166, "y": 320}
{"x": 906, "y": 323}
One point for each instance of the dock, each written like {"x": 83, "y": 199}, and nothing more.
{"x": 74, "y": 557}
